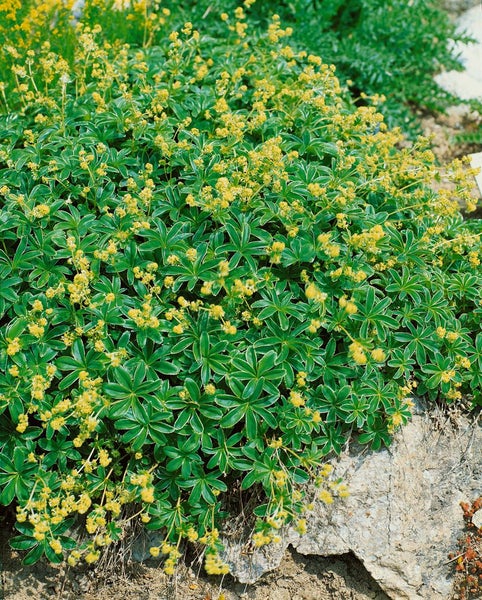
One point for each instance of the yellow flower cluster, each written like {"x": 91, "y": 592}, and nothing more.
{"x": 144, "y": 316}
{"x": 331, "y": 249}
{"x": 275, "y": 251}
{"x": 313, "y": 292}
{"x": 349, "y": 306}
{"x": 13, "y": 346}
{"x": 350, "y": 273}
{"x": 368, "y": 239}
{"x": 214, "y": 565}
{"x": 357, "y": 352}
{"x": 296, "y": 399}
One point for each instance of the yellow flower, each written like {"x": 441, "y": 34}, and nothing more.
{"x": 223, "y": 268}
{"x": 214, "y": 565}
{"x": 301, "y": 526}
{"x": 296, "y": 399}
{"x": 22, "y": 423}
{"x": 313, "y": 293}
{"x": 229, "y": 328}
{"x": 56, "y": 546}
{"x": 260, "y": 539}
{"x": 447, "y": 376}
{"x": 57, "y": 423}
{"x": 277, "y": 247}
{"x": 360, "y": 358}
{"x": 216, "y": 311}
{"x": 41, "y": 210}
{"x": 37, "y": 305}
{"x": 14, "y": 371}
{"x": 315, "y": 324}
{"x": 104, "y": 458}
{"x": 280, "y": 478}
{"x": 325, "y": 496}
{"x": 83, "y": 504}
{"x": 326, "y": 470}
{"x": 209, "y": 389}
{"x": 13, "y": 346}
{"x": 36, "y": 330}
{"x": 351, "y": 308}
{"x": 92, "y": 557}
{"x": 147, "y": 494}
{"x": 191, "y": 254}
{"x": 316, "y": 418}
{"x": 378, "y": 355}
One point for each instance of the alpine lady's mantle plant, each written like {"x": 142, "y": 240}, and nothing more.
{"x": 213, "y": 269}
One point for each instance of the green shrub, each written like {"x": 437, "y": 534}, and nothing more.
{"x": 214, "y": 269}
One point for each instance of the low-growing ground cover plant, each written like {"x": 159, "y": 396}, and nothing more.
{"x": 214, "y": 269}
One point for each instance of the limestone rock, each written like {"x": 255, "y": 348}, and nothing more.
{"x": 458, "y": 6}
{"x": 476, "y": 163}
{"x": 402, "y": 517}
{"x": 477, "y": 519}
{"x": 467, "y": 84}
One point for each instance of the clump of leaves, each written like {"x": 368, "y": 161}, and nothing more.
{"x": 213, "y": 269}
{"x": 468, "y": 560}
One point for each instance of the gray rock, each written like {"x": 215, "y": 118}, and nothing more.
{"x": 467, "y": 84}
{"x": 458, "y": 6}
{"x": 77, "y": 9}
{"x": 402, "y": 517}
{"x": 476, "y": 163}
{"x": 477, "y": 519}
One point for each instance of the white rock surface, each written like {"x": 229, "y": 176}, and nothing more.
{"x": 458, "y": 6}
{"x": 402, "y": 517}
{"x": 476, "y": 163}
{"x": 477, "y": 519}
{"x": 467, "y": 84}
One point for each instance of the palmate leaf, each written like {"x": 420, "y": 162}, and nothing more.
{"x": 331, "y": 439}
{"x": 375, "y": 433}
{"x": 406, "y": 283}
{"x": 144, "y": 424}
{"x": 79, "y": 361}
{"x": 204, "y": 486}
{"x": 418, "y": 341}
{"x": 373, "y": 315}
{"x": 209, "y": 356}
{"x": 279, "y": 302}
{"x": 402, "y": 361}
{"x": 332, "y": 402}
{"x": 253, "y": 367}
{"x": 16, "y": 476}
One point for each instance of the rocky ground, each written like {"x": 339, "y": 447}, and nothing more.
{"x": 298, "y": 578}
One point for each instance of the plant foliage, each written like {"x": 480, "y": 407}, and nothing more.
{"x": 214, "y": 269}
